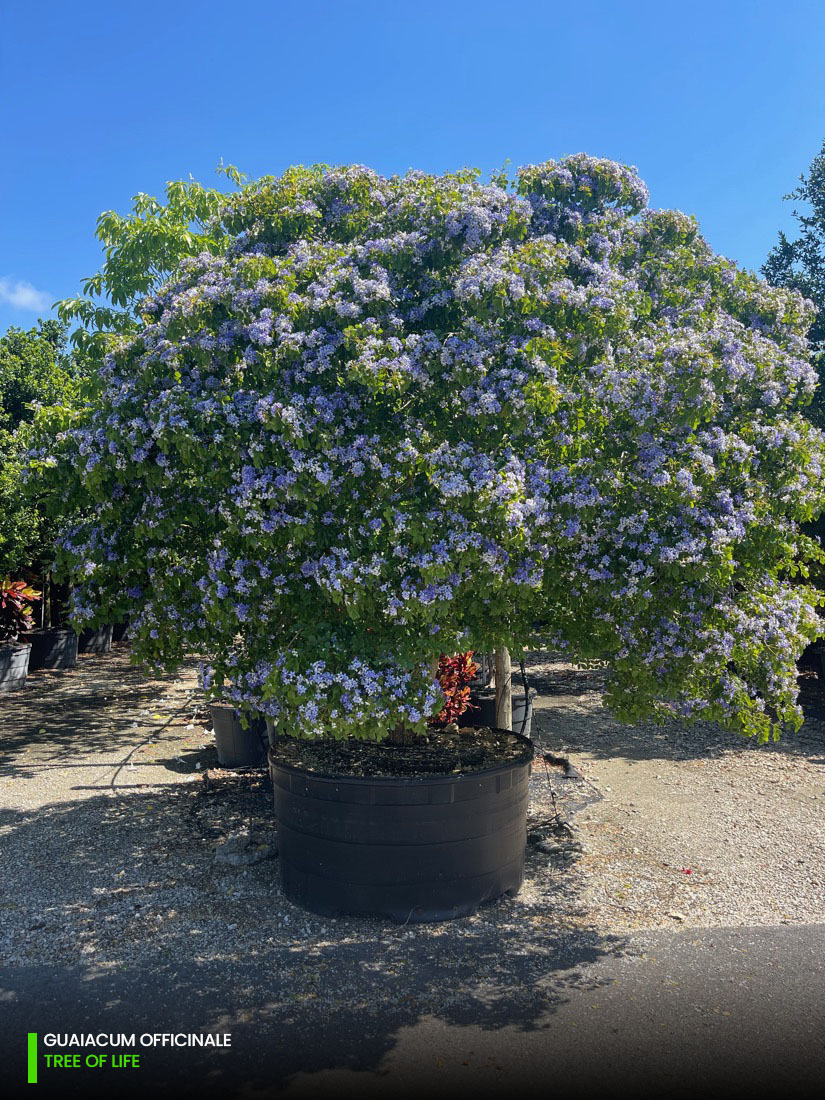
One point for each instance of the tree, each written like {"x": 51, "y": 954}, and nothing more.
{"x": 34, "y": 369}
{"x": 142, "y": 249}
{"x": 800, "y": 264}
{"x": 386, "y": 419}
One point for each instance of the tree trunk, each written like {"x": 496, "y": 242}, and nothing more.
{"x": 271, "y": 731}
{"x": 504, "y": 690}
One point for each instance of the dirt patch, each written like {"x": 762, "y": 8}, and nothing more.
{"x": 693, "y": 825}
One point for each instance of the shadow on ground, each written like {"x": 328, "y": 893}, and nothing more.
{"x": 568, "y": 715}
{"x": 93, "y": 708}
{"x": 116, "y": 917}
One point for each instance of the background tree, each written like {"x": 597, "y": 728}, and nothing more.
{"x": 800, "y": 265}
{"x": 142, "y": 249}
{"x": 35, "y": 369}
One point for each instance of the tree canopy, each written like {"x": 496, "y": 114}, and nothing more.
{"x": 141, "y": 250}
{"x": 800, "y": 264}
{"x": 385, "y": 419}
{"x": 35, "y": 369}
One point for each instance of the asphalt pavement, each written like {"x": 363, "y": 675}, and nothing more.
{"x": 711, "y": 1012}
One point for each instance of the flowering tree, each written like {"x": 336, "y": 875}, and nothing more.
{"x": 142, "y": 250}
{"x": 392, "y": 418}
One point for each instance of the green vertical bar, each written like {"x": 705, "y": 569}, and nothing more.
{"x": 32, "y": 1058}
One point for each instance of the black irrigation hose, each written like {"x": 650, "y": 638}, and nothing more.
{"x": 526, "y": 697}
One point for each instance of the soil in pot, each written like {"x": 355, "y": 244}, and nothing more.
{"x": 420, "y": 832}
{"x": 52, "y": 649}
{"x": 440, "y": 751}
{"x": 14, "y": 665}
{"x": 97, "y": 641}
{"x": 237, "y": 747}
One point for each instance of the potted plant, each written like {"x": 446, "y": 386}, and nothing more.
{"x": 97, "y": 640}
{"x": 53, "y": 648}
{"x": 380, "y": 420}
{"x": 483, "y": 710}
{"x": 455, "y": 675}
{"x": 54, "y": 644}
{"x": 16, "y": 599}
{"x": 241, "y": 740}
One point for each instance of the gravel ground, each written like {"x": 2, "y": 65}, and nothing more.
{"x": 121, "y": 841}
{"x": 694, "y": 826}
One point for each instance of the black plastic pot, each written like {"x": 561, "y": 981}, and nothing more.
{"x": 411, "y": 850}
{"x": 52, "y": 649}
{"x": 816, "y": 653}
{"x": 96, "y": 641}
{"x": 120, "y": 631}
{"x": 484, "y": 673}
{"x": 485, "y": 715}
{"x": 237, "y": 747}
{"x": 14, "y": 665}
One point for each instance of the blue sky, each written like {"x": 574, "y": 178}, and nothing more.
{"x": 719, "y": 105}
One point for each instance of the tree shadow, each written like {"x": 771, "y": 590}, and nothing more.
{"x": 574, "y": 719}
{"x": 96, "y": 707}
{"x": 117, "y": 917}
{"x": 562, "y": 681}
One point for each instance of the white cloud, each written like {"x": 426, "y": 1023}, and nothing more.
{"x": 23, "y": 295}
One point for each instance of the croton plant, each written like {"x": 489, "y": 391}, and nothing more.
{"x": 454, "y": 676}
{"x": 382, "y": 419}
{"x": 16, "y": 599}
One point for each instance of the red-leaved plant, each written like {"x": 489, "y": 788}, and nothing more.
{"x": 16, "y": 598}
{"x": 454, "y": 675}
